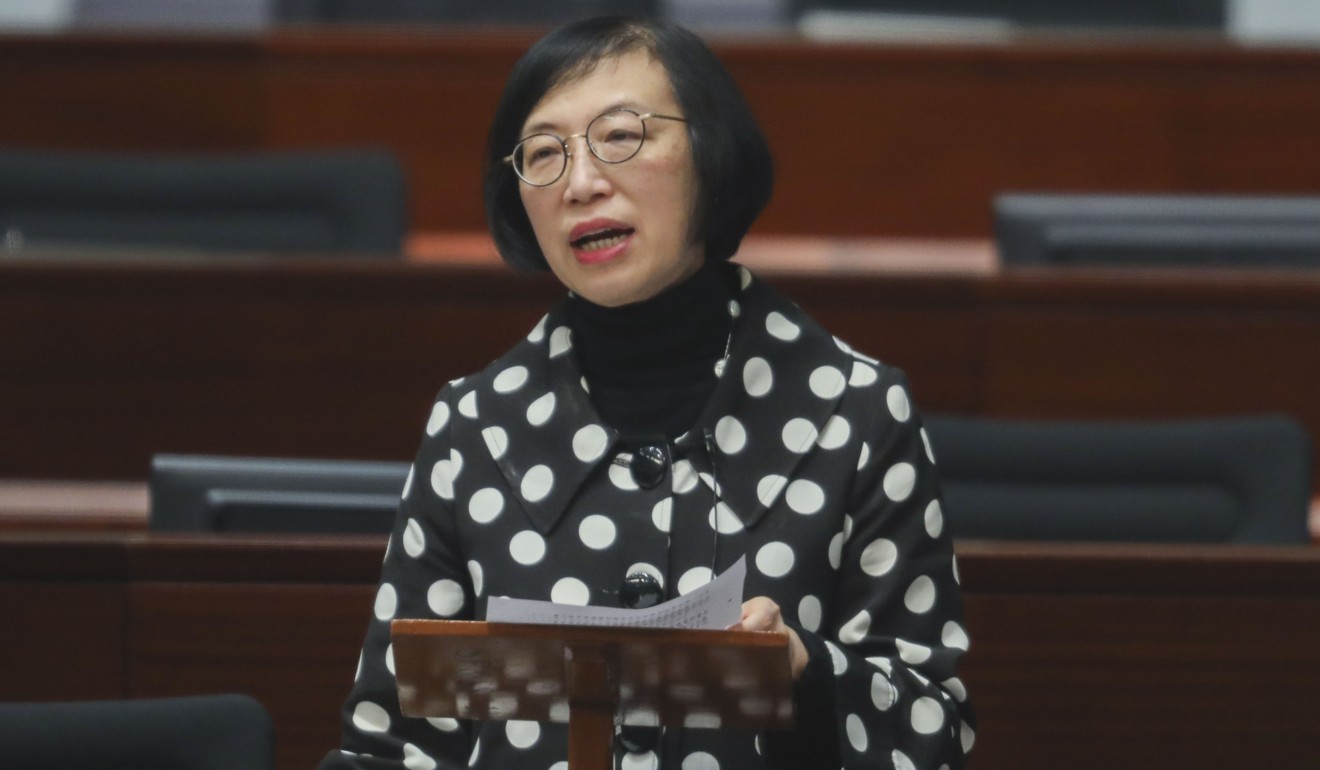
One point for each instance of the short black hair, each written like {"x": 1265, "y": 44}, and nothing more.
{"x": 735, "y": 173}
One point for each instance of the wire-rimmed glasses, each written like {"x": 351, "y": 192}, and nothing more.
{"x": 614, "y": 137}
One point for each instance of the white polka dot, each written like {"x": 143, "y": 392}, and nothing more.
{"x": 621, "y": 477}
{"x": 538, "y": 332}
{"x": 927, "y": 716}
{"x": 444, "y": 724}
{"x": 838, "y": 661}
{"x": 527, "y": 547}
{"x": 541, "y": 410}
{"x": 389, "y": 658}
{"x": 442, "y": 479}
{"x": 561, "y": 341}
{"x": 467, "y": 405}
{"x": 805, "y": 497}
{"x": 863, "y": 455}
{"x": 693, "y": 579}
{"x": 744, "y": 277}
{"x": 662, "y": 514}
{"x": 476, "y": 753}
{"x": 798, "y": 435}
{"x": 855, "y": 630}
{"x": 878, "y": 557}
{"x": 912, "y": 653}
{"x": 478, "y": 576}
{"x": 560, "y": 765}
{"x": 735, "y": 309}
{"x": 954, "y": 636}
{"x": 856, "y": 732}
{"x": 700, "y": 760}
{"x": 901, "y": 761}
{"x": 387, "y": 601}
{"x": 954, "y": 562}
{"x": 522, "y": 734}
{"x": 597, "y": 532}
{"x": 723, "y": 520}
{"x": 485, "y": 505}
{"x": 589, "y": 443}
{"x": 934, "y": 519}
{"x": 836, "y": 549}
{"x": 645, "y": 760}
{"x": 769, "y": 488}
{"x": 920, "y": 596}
{"x": 883, "y": 693}
{"x": 439, "y": 418}
{"x": 899, "y": 481}
{"x": 836, "y": 433}
{"x": 408, "y": 482}
{"x": 774, "y": 559}
{"x": 862, "y": 375}
{"x": 414, "y": 542}
{"x": 445, "y": 597}
{"x": 537, "y": 483}
{"x": 510, "y": 379}
{"x": 497, "y": 441}
{"x": 730, "y": 435}
{"x": 370, "y": 718}
{"x": 683, "y": 477}
{"x": 758, "y": 379}
{"x": 809, "y": 613}
{"x": 967, "y": 736}
{"x": 897, "y": 399}
{"x": 415, "y": 759}
{"x": 827, "y": 382}
{"x": 781, "y": 328}
{"x": 925, "y": 439}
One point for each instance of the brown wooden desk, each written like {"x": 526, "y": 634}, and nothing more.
{"x": 107, "y": 362}
{"x": 883, "y": 139}
{"x": 1085, "y": 657}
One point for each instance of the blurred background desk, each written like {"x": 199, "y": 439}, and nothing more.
{"x": 1085, "y": 657}
{"x": 109, "y": 361}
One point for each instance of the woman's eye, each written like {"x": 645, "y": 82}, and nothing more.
{"x": 538, "y": 155}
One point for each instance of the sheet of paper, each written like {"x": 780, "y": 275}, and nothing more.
{"x": 718, "y": 605}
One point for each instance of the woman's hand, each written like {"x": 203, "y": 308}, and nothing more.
{"x": 761, "y": 613}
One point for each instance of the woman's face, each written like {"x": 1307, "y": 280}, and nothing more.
{"x": 617, "y": 233}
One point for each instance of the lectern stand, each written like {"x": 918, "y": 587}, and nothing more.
{"x": 589, "y": 676}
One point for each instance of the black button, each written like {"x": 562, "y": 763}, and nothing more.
{"x": 639, "y": 591}
{"x": 635, "y": 738}
{"x": 648, "y": 466}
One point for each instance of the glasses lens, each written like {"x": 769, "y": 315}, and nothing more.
{"x": 616, "y": 136}
{"x": 539, "y": 159}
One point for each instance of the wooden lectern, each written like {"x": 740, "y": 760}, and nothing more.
{"x": 589, "y": 676}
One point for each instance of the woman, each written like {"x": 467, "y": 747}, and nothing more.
{"x": 671, "y": 415}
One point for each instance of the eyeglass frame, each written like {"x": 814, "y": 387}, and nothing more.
{"x": 568, "y": 153}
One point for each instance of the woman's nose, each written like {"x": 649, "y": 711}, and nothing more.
{"x": 585, "y": 178}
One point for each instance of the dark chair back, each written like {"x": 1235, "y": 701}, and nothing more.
{"x": 1230, "y": 480}
{"x": 1157, "y": 230}
{"x": 330, "y": 201}
{"x": 208, "y": 732}
{"x": 205, "y": 493}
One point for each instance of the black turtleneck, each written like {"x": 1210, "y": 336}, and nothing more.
{"x": 651, "y": 365}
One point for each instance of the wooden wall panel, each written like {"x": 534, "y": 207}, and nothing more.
{"x": 292, "y": 646}
{"x": 898, "y": 139}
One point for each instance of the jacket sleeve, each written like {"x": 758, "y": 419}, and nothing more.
{"x": 883, "y": 664}
{"x": 423, "y": 576}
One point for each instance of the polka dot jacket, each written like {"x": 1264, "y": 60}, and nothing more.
{"x": 826, "y": 483}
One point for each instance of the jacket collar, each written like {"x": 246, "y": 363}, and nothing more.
{"x": 782, "y": 380}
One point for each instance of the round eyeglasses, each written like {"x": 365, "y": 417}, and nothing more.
{"x": 617, "y": 136}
